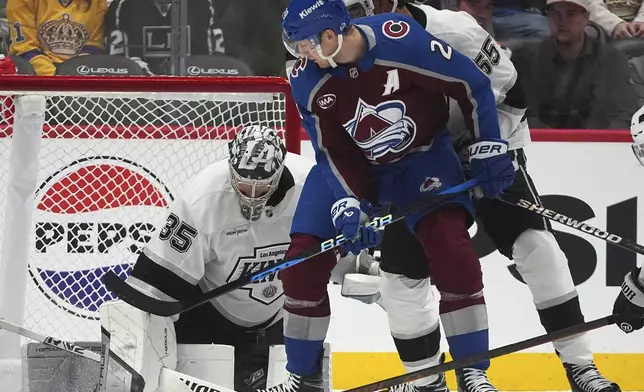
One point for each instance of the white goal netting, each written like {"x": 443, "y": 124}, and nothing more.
{"x": 85, "y": 178}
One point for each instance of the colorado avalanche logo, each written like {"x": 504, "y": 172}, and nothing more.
{"x": 381, "y": 129}
{"x": 395, "y": 29}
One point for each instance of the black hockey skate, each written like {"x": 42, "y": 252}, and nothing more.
{"x": 473, "y": 380}
{"x": 440, "y": 385}
{"x": 294, "y": 383}
{"x": 587, "y": 378}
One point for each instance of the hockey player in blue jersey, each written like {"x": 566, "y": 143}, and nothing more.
{"x": 372, "y": 95}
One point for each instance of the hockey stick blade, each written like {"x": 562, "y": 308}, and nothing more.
{"x": 50, "y": 341}
{"x": 138, "y": 383}
{"x": 497, "y": 352}
{"x": 572, "y": 223}
{"x": 163, "y": 308}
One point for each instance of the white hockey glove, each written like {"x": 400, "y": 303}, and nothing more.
{"x": 146, "y": 342}
{"x": 362, "y": 281}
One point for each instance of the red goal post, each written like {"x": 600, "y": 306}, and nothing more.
{"x": 88, "y": 166}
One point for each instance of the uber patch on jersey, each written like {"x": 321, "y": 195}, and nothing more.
{"x": 269, "y": 289}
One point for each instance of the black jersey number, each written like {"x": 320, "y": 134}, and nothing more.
{"x": 488, "y": 57}
{"x": 179, "y": 233}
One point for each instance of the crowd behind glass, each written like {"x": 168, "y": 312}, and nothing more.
{"x": 580, "y": 62}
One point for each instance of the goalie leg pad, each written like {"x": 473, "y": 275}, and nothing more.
{"x": 544, "y": 267}
{"x": 214, "y": 363}
{"x": 145, "y": 341}
{"x": 412, "y": 310}
{"x": 277, "y": 373}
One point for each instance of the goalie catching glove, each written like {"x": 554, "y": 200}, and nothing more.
{"x": 491, "y": 166}
{"x": 349, "y": 218}
{"x": 629, "y": 306}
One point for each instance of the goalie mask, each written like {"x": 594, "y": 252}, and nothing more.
{"x": 637, "y": 132}
{"x": 256, "y": 163}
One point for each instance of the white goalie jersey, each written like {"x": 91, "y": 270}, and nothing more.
{"x": 206, "y": 242}
{"x": 461, "y": 31}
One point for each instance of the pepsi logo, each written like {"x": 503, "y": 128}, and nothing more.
{"x": 94, "y": 215}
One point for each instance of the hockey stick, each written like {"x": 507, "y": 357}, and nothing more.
{"x": 497, "y": 352}
{"x": 572, "y": 223}
{"x": 103, "y": 370}
{"x": 137, "y": 380}
{"x": 162, "y": 308}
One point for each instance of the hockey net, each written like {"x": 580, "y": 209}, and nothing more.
{"x": 89, "y": 166}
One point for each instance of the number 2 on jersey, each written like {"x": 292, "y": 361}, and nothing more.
{"x": 178, "y": 232}
{"x": 442, "y": 47}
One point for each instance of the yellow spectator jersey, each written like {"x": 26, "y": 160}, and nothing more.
{"x": 48, "y": 32}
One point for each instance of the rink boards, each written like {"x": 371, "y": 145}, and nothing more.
{"x": 597, "y": 181}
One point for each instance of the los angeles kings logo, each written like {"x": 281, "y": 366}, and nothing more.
{"x": 269, "y": 289}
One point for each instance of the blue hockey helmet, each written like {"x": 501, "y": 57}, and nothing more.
{"x": 304, "y": 21}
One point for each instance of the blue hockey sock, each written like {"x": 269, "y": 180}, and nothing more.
{"x": 461, "y": 346}
{"x": 303, "y": 356}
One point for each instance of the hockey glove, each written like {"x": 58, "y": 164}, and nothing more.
{"x": 491, "y": 166}
{"x": 629, "y": 305}
{"x": 349, "y": 217}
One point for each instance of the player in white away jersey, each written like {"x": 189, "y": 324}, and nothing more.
{"x": 629, "y": 304}
{"x": 233, "y": 218}
{"x": 519, "y": 235}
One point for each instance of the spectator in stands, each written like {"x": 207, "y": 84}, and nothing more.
{"x": 519, "y": 18}
{"x": 48, "y": 32}
{"x": 260, "y": 47}
{"x": 481, "y": 10}
{"x": 572, "y": 80}
{"x": 4, "y": 25}
{"x": 140, "y": 30}
{"x": 619, "y": 18}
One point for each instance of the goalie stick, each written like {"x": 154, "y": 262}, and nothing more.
{"x": 162, "y": 308}
{"x": 572, "y": 223}
{"x": 138, "y": 383}
{"x": 497, "y": 352}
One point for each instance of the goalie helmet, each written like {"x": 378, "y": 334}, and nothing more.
{"x": 637, "y": 132}
{"x": 256, "y": 161}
